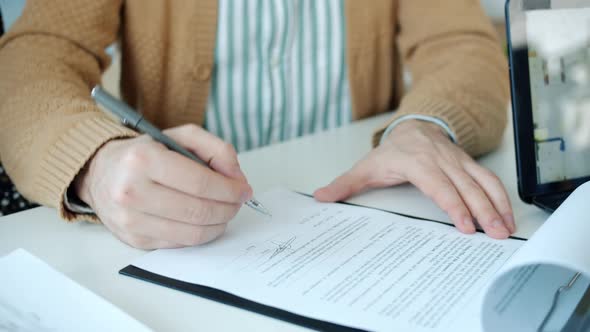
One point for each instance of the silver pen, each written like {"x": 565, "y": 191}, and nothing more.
{"x": 135, "y": 121}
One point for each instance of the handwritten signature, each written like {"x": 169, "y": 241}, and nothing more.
{"x": 282, "y": 246}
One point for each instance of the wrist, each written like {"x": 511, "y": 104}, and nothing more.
{"x": 414, "y": 126}
{"x": 82, "y": 183}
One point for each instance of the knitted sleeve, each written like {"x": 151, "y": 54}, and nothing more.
{"x": 458, "y": 70}
{"x": 49, "y": 126}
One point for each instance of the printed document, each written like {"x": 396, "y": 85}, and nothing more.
{"x": 344, "y": 264}
{"x": 378, "y": 271}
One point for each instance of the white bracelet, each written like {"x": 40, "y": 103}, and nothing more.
{"x": 426, "y": 118}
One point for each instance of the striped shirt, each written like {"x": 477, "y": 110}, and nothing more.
{"x": 280, "y": 71}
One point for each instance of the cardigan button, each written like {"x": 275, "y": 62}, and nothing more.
{"x": 203, "y": 72}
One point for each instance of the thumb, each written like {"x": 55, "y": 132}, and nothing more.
{"x": 344, "y": 186}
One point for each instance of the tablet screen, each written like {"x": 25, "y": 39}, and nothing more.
{"x": 558, "y": 38}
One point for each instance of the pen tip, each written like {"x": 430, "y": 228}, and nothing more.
{"x": 256, "y": 205}
{"x": 265, "y": 211}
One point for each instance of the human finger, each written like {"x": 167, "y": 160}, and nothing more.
{"x": 164, "y": 202}
{"x": 434, "y": 183}
{"x": 495, "y": 190}
{"x": 216, "y": 153}
{"x": 477, "y": 201}
{"x": 351, "y": 182}
{"x": 147, "y": 226}
{"x": 180, "y": 173}
{"x": 139, "y": 241}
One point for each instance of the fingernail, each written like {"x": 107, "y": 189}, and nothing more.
{"x": 468, "y": 224}
{"x": 498, "y": 223}
{"x": 237, "y": 173}
{"x": 320, "y": 191}
{"x": 467, "y": 221}
{"x": 501, "y": 229}
{"x": 246, "y": 196}
{"x": 509, "y": 219}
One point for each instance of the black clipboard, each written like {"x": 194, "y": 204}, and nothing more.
{"x": 233, "y": 300}
{"x": 242, "y": 303}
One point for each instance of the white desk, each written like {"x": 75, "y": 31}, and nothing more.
{"x": 91, "y": 256}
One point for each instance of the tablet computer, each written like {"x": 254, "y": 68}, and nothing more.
{"x": 549, "y": 56}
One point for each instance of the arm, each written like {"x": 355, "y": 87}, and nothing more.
{"x": 458, "y": 70}
{"x": 53, "y": 136}
{"x": 459, "y": 78}
{"x": 50, "y": 127}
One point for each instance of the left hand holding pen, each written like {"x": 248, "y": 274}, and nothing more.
{"x": 421, "y": 153}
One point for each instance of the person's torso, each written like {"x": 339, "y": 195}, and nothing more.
{"x": 279, "y": 71}
{"x": 168, "y": 54}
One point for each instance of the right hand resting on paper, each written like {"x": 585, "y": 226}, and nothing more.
{"x": 151, "y": 197}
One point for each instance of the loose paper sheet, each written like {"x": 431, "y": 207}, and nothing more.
{"x": 35, "y": 297}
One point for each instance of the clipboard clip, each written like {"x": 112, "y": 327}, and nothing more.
{"x": 556, "y": 296}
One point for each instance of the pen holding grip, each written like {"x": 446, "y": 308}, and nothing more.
{"x": 147, "y": 128}
{"x": 135, "y": 121}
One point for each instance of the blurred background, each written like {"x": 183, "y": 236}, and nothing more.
{"x": 495, "y": 10}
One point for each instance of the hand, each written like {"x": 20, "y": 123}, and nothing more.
{"x": 421, "y": 153}
{"x": 151, "y": 197}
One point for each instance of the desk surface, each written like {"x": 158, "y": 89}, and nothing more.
{"x": 91, "y": 256}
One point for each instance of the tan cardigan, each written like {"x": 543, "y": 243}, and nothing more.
{"x": 49, "y": 127}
